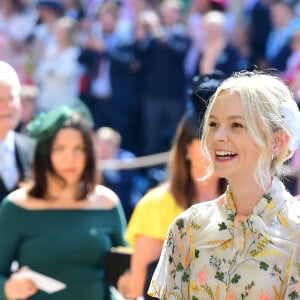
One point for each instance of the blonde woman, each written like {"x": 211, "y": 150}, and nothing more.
{"x": 244, "y": 244}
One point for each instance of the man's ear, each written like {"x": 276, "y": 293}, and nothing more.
{"x": 279, "y": 142}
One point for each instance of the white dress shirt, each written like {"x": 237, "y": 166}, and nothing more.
{"x": 8, "y": 163}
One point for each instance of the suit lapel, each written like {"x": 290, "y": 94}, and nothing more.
{"x": 23, "y": 154}
{"x": 3, "y": 190}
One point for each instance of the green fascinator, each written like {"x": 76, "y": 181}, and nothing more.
{"x": 46, "y": 124}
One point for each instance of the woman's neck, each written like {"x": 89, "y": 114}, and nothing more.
{"x": 56, "y": 191}
{"x": 206, "y": 190}
{"x": 246, "y": 196}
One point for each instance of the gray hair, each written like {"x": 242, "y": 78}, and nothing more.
{"x": 9, "y": 77}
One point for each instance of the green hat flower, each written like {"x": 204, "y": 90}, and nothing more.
{"x": 46, "y": 124}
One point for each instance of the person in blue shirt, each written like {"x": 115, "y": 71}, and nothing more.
{"x": 108, "y": 146}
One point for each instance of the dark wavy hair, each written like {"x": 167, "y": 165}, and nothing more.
{"x": 42, "y": 160}
{"x": 182, "y": 185}
{"x": 189, "y": 128}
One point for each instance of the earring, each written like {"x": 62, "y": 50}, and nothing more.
{"x": 273, "y": 143}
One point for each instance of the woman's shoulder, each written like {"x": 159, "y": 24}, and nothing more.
{"x": 204, "y": 212}
{"x": 157, "y": 199}
{"x": 18, "y": 197}
{"x": 21, "y": 198}
{"x": 157, "y": 195}
{"x": 15, "y": 200}
{"x": 103, "y": 198}
{"x": 157, "y": 204}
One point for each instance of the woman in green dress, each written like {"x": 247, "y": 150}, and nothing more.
{"x": 61, "y": 224}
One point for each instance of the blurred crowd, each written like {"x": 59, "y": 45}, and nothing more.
{"x": 130, "y": 68}
{"x": 130, "y": 61}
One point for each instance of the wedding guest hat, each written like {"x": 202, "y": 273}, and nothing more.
{"x": 203, "y": 87}
{"x": 46, "y": 123}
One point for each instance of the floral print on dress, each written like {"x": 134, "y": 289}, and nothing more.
{"x": 211, "y": 252}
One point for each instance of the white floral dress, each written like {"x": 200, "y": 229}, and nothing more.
{"x": 210, "y": 252}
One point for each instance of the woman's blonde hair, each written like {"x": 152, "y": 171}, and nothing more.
{"x": 268, "y": 106}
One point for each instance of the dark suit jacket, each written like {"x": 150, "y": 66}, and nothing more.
{"x": 280, "y": 60}
{"x": 24, "y": 154}
{"x": 260, "y": 28}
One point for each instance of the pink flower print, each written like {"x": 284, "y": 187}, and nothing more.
{"x": 229, "y": 295}
{"x": 297, "y": 287}
{"x": 240, "y": 218}
{"x": 221, "y": 201}
{"x": 202, "y": 276}
{"x": 264, "y": 296}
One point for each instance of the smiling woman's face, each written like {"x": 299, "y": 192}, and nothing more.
{"x": 231, "y": 147}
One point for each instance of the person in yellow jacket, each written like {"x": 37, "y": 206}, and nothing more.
{"x": 155, "y": 212}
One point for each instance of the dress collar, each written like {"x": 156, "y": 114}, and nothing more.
{"x": 270, "y": 201}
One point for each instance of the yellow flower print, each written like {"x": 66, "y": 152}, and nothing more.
{"x": 193, "y": 286}
{"x": 226, "y": 245}
{"x": 188, "y": 230}
{"x": 269, "y": 206}
{"x": 185, "y": 259}
{"x": 192, "y": 252}
{"x": 282, "y": 220}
